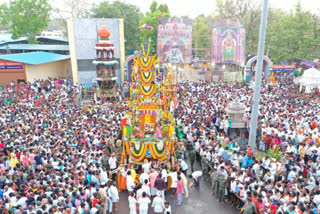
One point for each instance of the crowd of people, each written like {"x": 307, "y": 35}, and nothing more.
{"x": 288, "y": 125}
{"x": 59, "y": 157}
{"x": 54, "y": 154}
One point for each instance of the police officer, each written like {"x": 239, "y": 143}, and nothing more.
{"x": 221, "y": 189}
{"x": 204, "y": 164}
{"x": 214, "y": 181}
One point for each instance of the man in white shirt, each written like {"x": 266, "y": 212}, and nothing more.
{"x": 164, "y": 174}
{"x": 292, "y": 174}
{"x": 113, "y": 165}
{"x": 130, "y": 183}
{"x": 146, "y": 166}
{"x": 184, "y": 166}
{"x": 104, "y": 178}
{"x": 316, "y": 198}
{"x": 196, "y": 175}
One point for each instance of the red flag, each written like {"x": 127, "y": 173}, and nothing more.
{"x": 161, "y": 12}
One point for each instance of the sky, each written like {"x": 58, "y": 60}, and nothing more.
{"x": 193, "y": 8}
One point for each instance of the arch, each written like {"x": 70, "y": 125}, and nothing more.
{"x": 129, "y": 62}
{"x": 267, "y": 67}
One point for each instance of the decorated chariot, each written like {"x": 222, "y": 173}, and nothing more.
{"x": 148, "y": 126}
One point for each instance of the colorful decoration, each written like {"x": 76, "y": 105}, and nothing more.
{"x": 105, "y": 63}
{"x": 104, "y": 33}
{"x": 174, "y": 40}
{"x": 146, "y": 27}
{"x": 252, "y": 65}
{"x": 228, "y": 41}
{"x": 146, "y": 132}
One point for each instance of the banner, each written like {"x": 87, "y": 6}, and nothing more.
{"x": 11, "y": 65}
{"x": 228, "y": 41}
{"x": 174, "y": 40}
{"x": 284, "y": 68}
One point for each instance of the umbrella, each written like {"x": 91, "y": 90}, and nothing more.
{"x": 146, "y": 27}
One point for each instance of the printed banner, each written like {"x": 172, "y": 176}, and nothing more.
{"x": 174, "y": 40}
{"x": 11, "y": 65}
{"x": 228, "y": 41}
{"x": 284, "y": 68}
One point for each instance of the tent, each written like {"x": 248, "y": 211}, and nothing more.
{"x": 310, "y": 80}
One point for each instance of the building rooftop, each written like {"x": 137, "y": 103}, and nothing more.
{"x": 39, "y": 47}
{"x": 34, "y": 58}
{"x": 6, "y": 38}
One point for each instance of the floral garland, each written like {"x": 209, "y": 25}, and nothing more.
{"x": 145, "y": 63}
{"x": 147, "y": 93}
{"x": 156, "y": 154}
{"x": 146, "y": 80}
{"x": 139, "y": 155}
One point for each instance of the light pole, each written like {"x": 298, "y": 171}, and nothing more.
{"x": 257, "y": 85}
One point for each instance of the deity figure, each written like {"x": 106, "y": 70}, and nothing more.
{"x": 174, "y": 55}
{"x": 228, "y": 48}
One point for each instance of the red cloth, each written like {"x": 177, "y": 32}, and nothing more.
{"x": 94, "y": 202}
{"x": 314, "y": 125}
{"x": 123, "y": 121}
{"x": 250, "y": 152}
{"x": 273, "y": 209}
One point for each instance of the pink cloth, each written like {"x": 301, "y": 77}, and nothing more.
{"x": 25, "y": 160}
{"x": 31, "y": 158}
{"x": 179, "y": 186}
{"x": 158, "y": 133}
{"x": 152, "y": 178}
{"x": 77, "y": 203}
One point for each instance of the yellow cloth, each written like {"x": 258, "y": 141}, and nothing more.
{"x": 302, "y": 151}
{"x": 147, "y": 118}
{"x": 171, "y": 130}
{"x": 13, "y": 160}
{"x": 184, "y": 179}
{"x": 124, "y": 130}
{"x": 133, "y": 174}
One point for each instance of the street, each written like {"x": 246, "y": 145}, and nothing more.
{"x": 200, "y": 201}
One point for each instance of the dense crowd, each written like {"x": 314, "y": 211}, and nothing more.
{"x": 58, "y": 157}
{"x": 288, "y": 125}
{"x": 55, "y": 154}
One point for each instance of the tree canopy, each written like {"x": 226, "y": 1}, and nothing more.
{"x": 26, "y": 17}
{"x": 151, "y": 18}
{"x": 293, "y": 36}
{"x": 201, "y": 36}
{"x": 131, "y": 15}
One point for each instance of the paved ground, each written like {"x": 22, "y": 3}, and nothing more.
{"x": 200, "y": 201}
{"x": 192, "y": 75}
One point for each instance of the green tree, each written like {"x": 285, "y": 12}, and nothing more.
{"x": 293, "y": 36}
{"x": 151, "y": 18}
{"x": 26, "y": 17}
{"x": 131, "y": 15}
{"x": 201, "y": 36}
